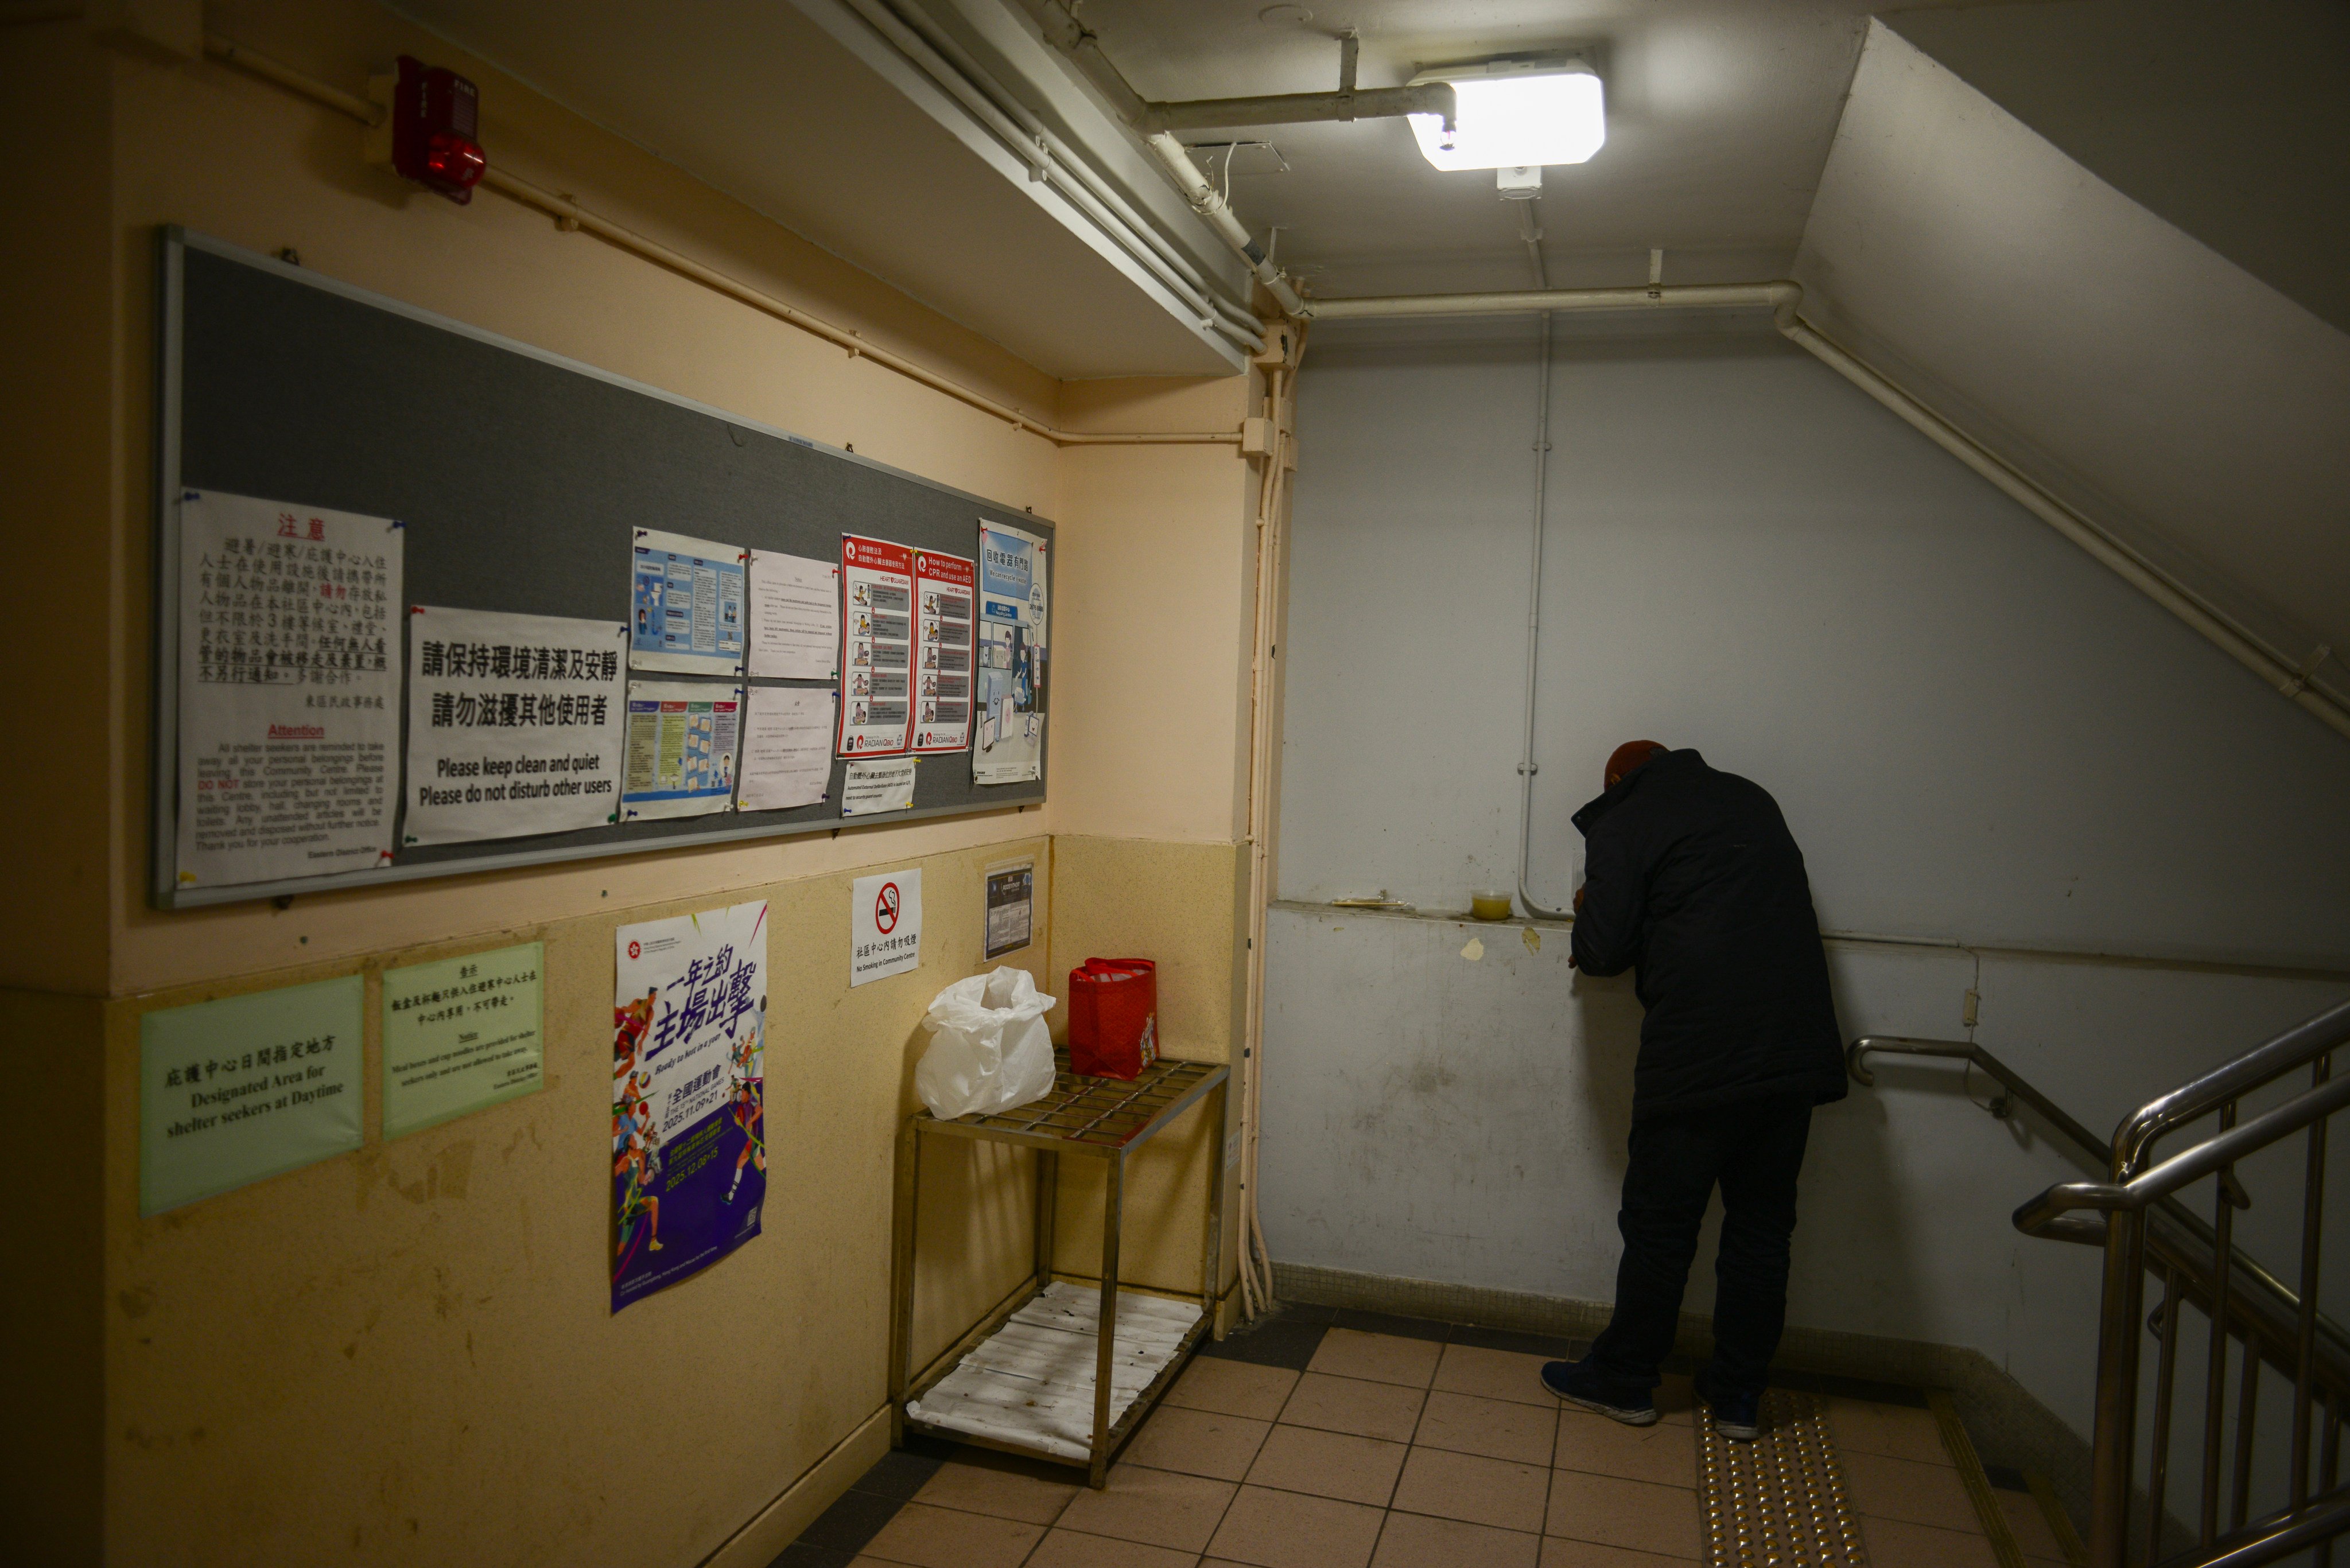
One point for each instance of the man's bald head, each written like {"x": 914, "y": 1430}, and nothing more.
{"x": 1628, "y": 759}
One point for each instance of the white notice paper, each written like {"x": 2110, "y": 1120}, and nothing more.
{"x": 513, "y": 724}
{"x": 885, "y": 925}
{"x": 787, "y": 748}
{"x": 795, "y": 616}
{"x": 289, "y": 690}
{"x": 866, "y": 787}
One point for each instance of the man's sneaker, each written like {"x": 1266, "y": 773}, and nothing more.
{"x": 1573, "y": 1382}
{"x": 1737, "y": 1416}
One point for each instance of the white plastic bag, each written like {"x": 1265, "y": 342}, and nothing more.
{"x": 990, "y": 1050}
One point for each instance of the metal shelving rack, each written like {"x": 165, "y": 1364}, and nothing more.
{"x": 1019, "y": 1379}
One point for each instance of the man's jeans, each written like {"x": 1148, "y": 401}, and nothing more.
{"x": 1753, "y": 1151}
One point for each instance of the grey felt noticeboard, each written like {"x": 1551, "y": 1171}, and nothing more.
{"x": 519, "y": 475}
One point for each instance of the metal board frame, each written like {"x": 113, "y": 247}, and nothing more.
{"x": 174, "y": 243}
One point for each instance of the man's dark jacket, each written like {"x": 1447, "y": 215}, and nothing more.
{"x": 1691, "y": 877}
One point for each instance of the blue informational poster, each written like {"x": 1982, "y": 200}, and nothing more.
{"x": 689, "y": 1084}
{"x": 686, "y": 599}
{"x": 1013, "y": 634}
{"x": 679, "y": 748}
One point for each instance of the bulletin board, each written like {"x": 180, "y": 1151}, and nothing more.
{"x": 518, "y": 476}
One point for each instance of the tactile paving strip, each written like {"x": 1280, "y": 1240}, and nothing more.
{"x": 1779, "y": 1501}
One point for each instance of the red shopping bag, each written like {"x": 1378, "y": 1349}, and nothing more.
{"x": 1113, "y": 1017}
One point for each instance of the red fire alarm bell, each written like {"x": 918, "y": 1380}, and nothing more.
{"x": 436, "y": 130}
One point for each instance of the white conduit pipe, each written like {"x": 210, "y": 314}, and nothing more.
{"x": 2125, "y": 563}
{"x": 1521, "y": 302}
{"x": 569, "y": 215}
{"x": 1031, "y": 145}
{"x": 1103, "y": 190}
{"x": 1534, "y": 642}
{"x": 1255, "y": 1263}
{"x": 1209, "y": 205}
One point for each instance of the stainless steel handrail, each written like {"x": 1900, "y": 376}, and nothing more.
{"x": 2137, "y": 1216}
{"x": 2232, "y": 1080}
{"x": 2211, "y": 1155}
{"x": 2193, "y": 1251}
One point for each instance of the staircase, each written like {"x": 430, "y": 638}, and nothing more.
{"x": 2182, "y": 1493}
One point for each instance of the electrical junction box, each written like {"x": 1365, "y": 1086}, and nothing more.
{"x": 1522, "y": 183}
{"x": 430, "y": 132}
{"x": 1256, "y": 436}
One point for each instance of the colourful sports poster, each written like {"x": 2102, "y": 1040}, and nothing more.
{"x": 689, "y": 1070}
{"x": 943, "y": 589}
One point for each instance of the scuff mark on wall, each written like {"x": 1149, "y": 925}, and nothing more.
{"x": 1474, "y": 950}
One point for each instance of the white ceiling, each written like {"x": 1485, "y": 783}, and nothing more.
{"x": 2230, "y": 119}
{"x": 757, "y": 99}
{"x": 1720, "y": 113}
{"x": 2172, "y": 395}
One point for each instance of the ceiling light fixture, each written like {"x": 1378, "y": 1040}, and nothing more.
{"x": 1515, "y": 113}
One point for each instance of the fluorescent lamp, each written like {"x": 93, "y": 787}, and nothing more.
{"x": 1515, "y": 113}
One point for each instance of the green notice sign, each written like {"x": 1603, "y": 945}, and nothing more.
{"x": 460, "y": 1036}
{"x": 248, "y": 1086}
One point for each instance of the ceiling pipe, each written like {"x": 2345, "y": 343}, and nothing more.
{"x": 1075, "y": 39}
{"x": 1209, "y": 203}
{"x": 1309, "y": 108}
{"x": 1525, "y": 301}
{"x": 932, "y": 52}
{"x": 1303, "y": 108}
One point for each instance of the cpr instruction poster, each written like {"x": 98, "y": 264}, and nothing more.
{"x": 685, "y": 604}
{"x": 288, "y": 691}
{"x": 1012, "y": 637}
{"x": 680, "y": 745}
{"x": 689, "y": 1070}
{"x": 877, "y": 631}
{"x": 513, "y": 724}
{"x": 943, "y": 586}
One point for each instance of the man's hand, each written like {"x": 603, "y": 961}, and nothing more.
{"x": 1578, "y": 901}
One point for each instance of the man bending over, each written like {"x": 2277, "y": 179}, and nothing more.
{"x": 1692, "y": 878}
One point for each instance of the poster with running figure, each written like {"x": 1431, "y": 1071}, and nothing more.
{"x": 689, "y": 1069}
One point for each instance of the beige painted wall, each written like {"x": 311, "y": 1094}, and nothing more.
{"x": 57, "y": 448}
{"x": 1182, "y": 906}
{"x": 405, "y": 1355}
{"x": 1154, "y": 617}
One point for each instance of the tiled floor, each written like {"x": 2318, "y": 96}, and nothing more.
{"x": 1339, "y": 1439}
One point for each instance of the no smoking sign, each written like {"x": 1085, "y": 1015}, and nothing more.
{"x": 885, "y": 935}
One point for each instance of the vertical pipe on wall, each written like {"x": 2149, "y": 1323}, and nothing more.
{"x": 1534, "y": 635}
{"x": 1281, "y": 386}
